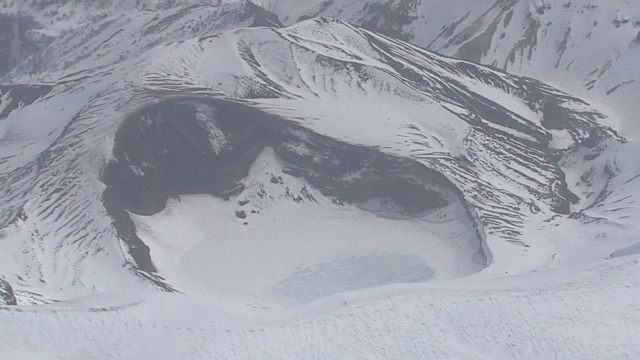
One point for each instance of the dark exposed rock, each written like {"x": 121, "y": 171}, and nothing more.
{"x": 136, "y": 248}
{"x": 557, "y": 117}
{"x": 475, "y": 45}
{"x": 475, "y": 49}
{"x": 241, "y": 214}
{"x": 264, "y": 17}
{"x": 554, "y": 116}
{"x": 390, "y": 17}
{"x": 6, "y": 294}
{"x": 20, "y": 95}
{"x": 163, "y": 151}
{"x": 293, "y": 172}
{"x": 619, "y": 22}
{"x": 543, "y": 8}
{"x": 126, "y": 229}
{"x": 15, "y": 45}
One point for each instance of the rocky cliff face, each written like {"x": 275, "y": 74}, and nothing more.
{"x": 15, "y": 44}
{"x": 547, "y": 40}
{"x": 6, "y": 294}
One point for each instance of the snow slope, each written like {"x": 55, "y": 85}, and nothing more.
{"x": 590, "y": 48}
{"x": 580, "y": 313}
{"x": 546, "y": 40}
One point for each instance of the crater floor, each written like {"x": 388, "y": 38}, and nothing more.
{"x": 266, "y": 244}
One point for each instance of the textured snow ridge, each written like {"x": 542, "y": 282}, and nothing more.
{"x": 553, "y": 41}
{"x": 115, "y": 38}
{"x": 568, "y": 314}
{"x": 232, "y": 188}
{"x": 548, "y": 40}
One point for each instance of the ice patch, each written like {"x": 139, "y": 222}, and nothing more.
{"x": 353, "y": 273}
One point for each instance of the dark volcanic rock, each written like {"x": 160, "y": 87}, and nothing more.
{"x": 20, "y": 95}
{"x": 165, "y": 150}
{"x": 264, "y": 17}
{"x": 126, "y": 229}
{"x": 6, "y": 294}
{"x": 389, "y": 18}
{"x": 15, "y": 46}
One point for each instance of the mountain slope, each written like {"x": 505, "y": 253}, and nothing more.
{"x": 446, "y": 115}
{"x": 232, "y": 188}
{"x": 552, "y": 41}
{"x": 545, "y": 40}
{"x": 563, "y": 314}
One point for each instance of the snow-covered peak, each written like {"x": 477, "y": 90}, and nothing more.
{"x": 495, "y": 139}
{"x": 586, "y": 47}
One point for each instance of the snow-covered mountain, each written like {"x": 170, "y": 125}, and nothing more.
{"x": 231, "y": 187}
{"x": 586, "y": 47}
{"x": 590, "y": 48}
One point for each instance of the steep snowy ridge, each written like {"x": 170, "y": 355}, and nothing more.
{"x": 550, "y": 41}
{"x": 116, "y": 38}
{"x": 586, "y": 47}
{"x": 402, "y": 322}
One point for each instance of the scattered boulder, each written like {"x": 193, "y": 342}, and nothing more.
{"x": 543, "y": 8}
{"x": 6, "y": 294}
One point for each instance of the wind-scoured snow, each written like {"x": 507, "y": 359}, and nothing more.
{"x": 586, "y": 47}
{"x": 586, "y": 312}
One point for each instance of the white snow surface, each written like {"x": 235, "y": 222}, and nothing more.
{"x": 580, "y": 313}
{"x": 553, "y": 41}
{"x": 590, "y": 48}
